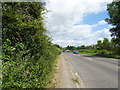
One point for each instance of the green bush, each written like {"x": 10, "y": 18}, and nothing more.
{"x": 103, "y": 52}
{"x": 27, "y": 52}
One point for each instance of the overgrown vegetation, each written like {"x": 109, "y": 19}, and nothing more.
{"x": 114, "y": 19}
{"x": 27, "y": 52}
{"x": 103, "y": 48}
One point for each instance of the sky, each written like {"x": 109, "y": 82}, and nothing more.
{"x": 77, "y": 22}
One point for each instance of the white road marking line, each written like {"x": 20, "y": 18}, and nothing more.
{"x": 117, "y": 67}
{"x": 77, "y": 85}
{"x": 73, "y": 77}
{"x": 72, "y": 70}
{"x": 81, "y": 82}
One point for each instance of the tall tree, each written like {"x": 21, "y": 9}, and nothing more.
{"x": 114, "y": 19}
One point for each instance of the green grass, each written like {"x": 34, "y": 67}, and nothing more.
{"x": 102, "y": 53}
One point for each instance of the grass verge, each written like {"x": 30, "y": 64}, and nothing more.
{"x": 55, "y": 66}
{"x": 102, "y": 53}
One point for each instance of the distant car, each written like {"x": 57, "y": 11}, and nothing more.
{"x": 75, "y": 52}
{"x": 64, "y": 51}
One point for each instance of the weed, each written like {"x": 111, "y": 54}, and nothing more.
{"x": 76, "y": 80}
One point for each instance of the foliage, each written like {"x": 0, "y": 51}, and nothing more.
{"x": 99, "y": 45}
{"x": 58, "y": 46}
{"x": 106, "y": 44}
{"x": 103, "y": 52}
{"x": 81, "y": 47}
{"x": 114, "y": 19}
{"x": 28, "y": 54}
{"x": 70, "y": 47}
{"x": 103, "y": 48}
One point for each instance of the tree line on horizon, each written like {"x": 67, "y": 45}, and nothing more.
{"x": 101, "y": 45}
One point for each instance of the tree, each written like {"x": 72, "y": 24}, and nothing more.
{"x": 90, "y": 47}
{"x": 71, "y": 47}
{"x": 83, "y": 47}
{"x": 106, "y": 44}
{"x": 58, "y": 46}
{"x": 99, "y": 45}
{"x": 114, "y": 19}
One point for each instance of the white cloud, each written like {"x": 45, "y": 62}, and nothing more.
{"x": 68, "y": 42}
{"x": 65, "y": 13}
{"x": 84, "y": 38}
{"x": 102, "y": 22}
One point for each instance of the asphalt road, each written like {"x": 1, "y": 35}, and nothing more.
{"x": 95, "y": 72}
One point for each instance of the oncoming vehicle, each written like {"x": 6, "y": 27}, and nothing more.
{"x": 75, "y": 52}
{"x": 66, "y": 50}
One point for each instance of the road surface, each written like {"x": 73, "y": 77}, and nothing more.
{"x": 94, "y": 72}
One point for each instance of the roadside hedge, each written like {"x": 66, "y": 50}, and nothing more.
{"x": 27, "y": 52}
{"x": 103, "y": 52}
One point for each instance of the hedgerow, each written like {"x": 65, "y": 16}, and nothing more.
{"x": 27, "y": 52}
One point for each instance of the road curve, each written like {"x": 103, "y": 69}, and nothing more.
{"x": 96, "y": 72}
